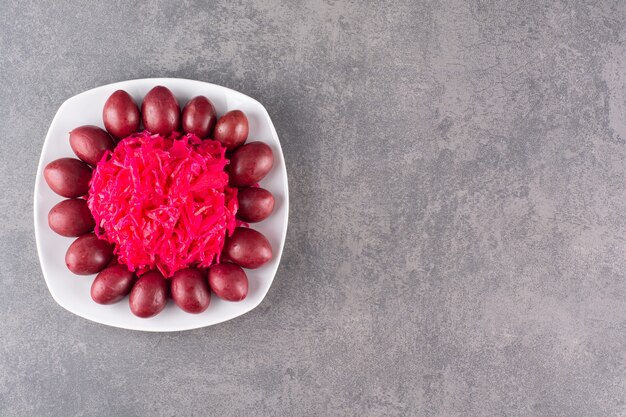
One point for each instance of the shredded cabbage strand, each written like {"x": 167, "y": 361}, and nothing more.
{"x": 164, "y": 202}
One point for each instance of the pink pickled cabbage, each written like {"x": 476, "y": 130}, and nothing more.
{"x": 164, "y": 202}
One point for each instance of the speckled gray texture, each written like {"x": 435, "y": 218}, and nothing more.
{"x": 457, "y": 236}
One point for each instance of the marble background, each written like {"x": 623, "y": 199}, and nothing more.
{"x": 457, "y": 234}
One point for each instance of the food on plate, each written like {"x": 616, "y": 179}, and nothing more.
{"x": 190, "y": 290}
{"x": 88, "y": 255}
{"x": 149, "y": 295}
{"x": 68, "y": 177}
{"x": 160, "y": 112}
{"x": 248, "y": 248}
{"x": 112, "y": 284}
{"x": 89, "y": 143}
{"x": 231, "y": 129}
{"x": 228, "y": 281}
{"x": 164, "y": 202}
{"x": 255, "y": 204}
{"x": 71, "y": 218}
{"x": 199, "y": 117}
{"x": 120, "y": 115}
{"x": 250, "y": 164}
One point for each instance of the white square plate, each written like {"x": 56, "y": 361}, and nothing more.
{"x": 72, "y": 291}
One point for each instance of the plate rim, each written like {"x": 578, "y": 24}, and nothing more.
{"x": 158, "y": 80}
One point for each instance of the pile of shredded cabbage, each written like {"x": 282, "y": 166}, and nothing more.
{"x": 164, "y": 202}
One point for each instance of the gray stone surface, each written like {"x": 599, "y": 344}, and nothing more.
{"x": 457, "y": 235}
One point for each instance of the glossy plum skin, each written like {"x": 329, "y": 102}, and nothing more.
{"x": 120, "y": 115}
{"x": 149, "y": 295}
{"x": 232, "y": 129}
{"x": 112, "y": 284}
{"x": 88, "y": 255}
{"x": 68, "y": 177}
{"x": 160, "y": 112}
{"x": 199, "y": 117}
{"x": 228, "y": 281}
{"x": 89, "y": 143}
{"x": 190, "y": 290}
{"x": 71, "y": 218}
{"x": 250, "y": 164}
{"x": 255, "y": 204}
{"x": 248, "y": 248}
